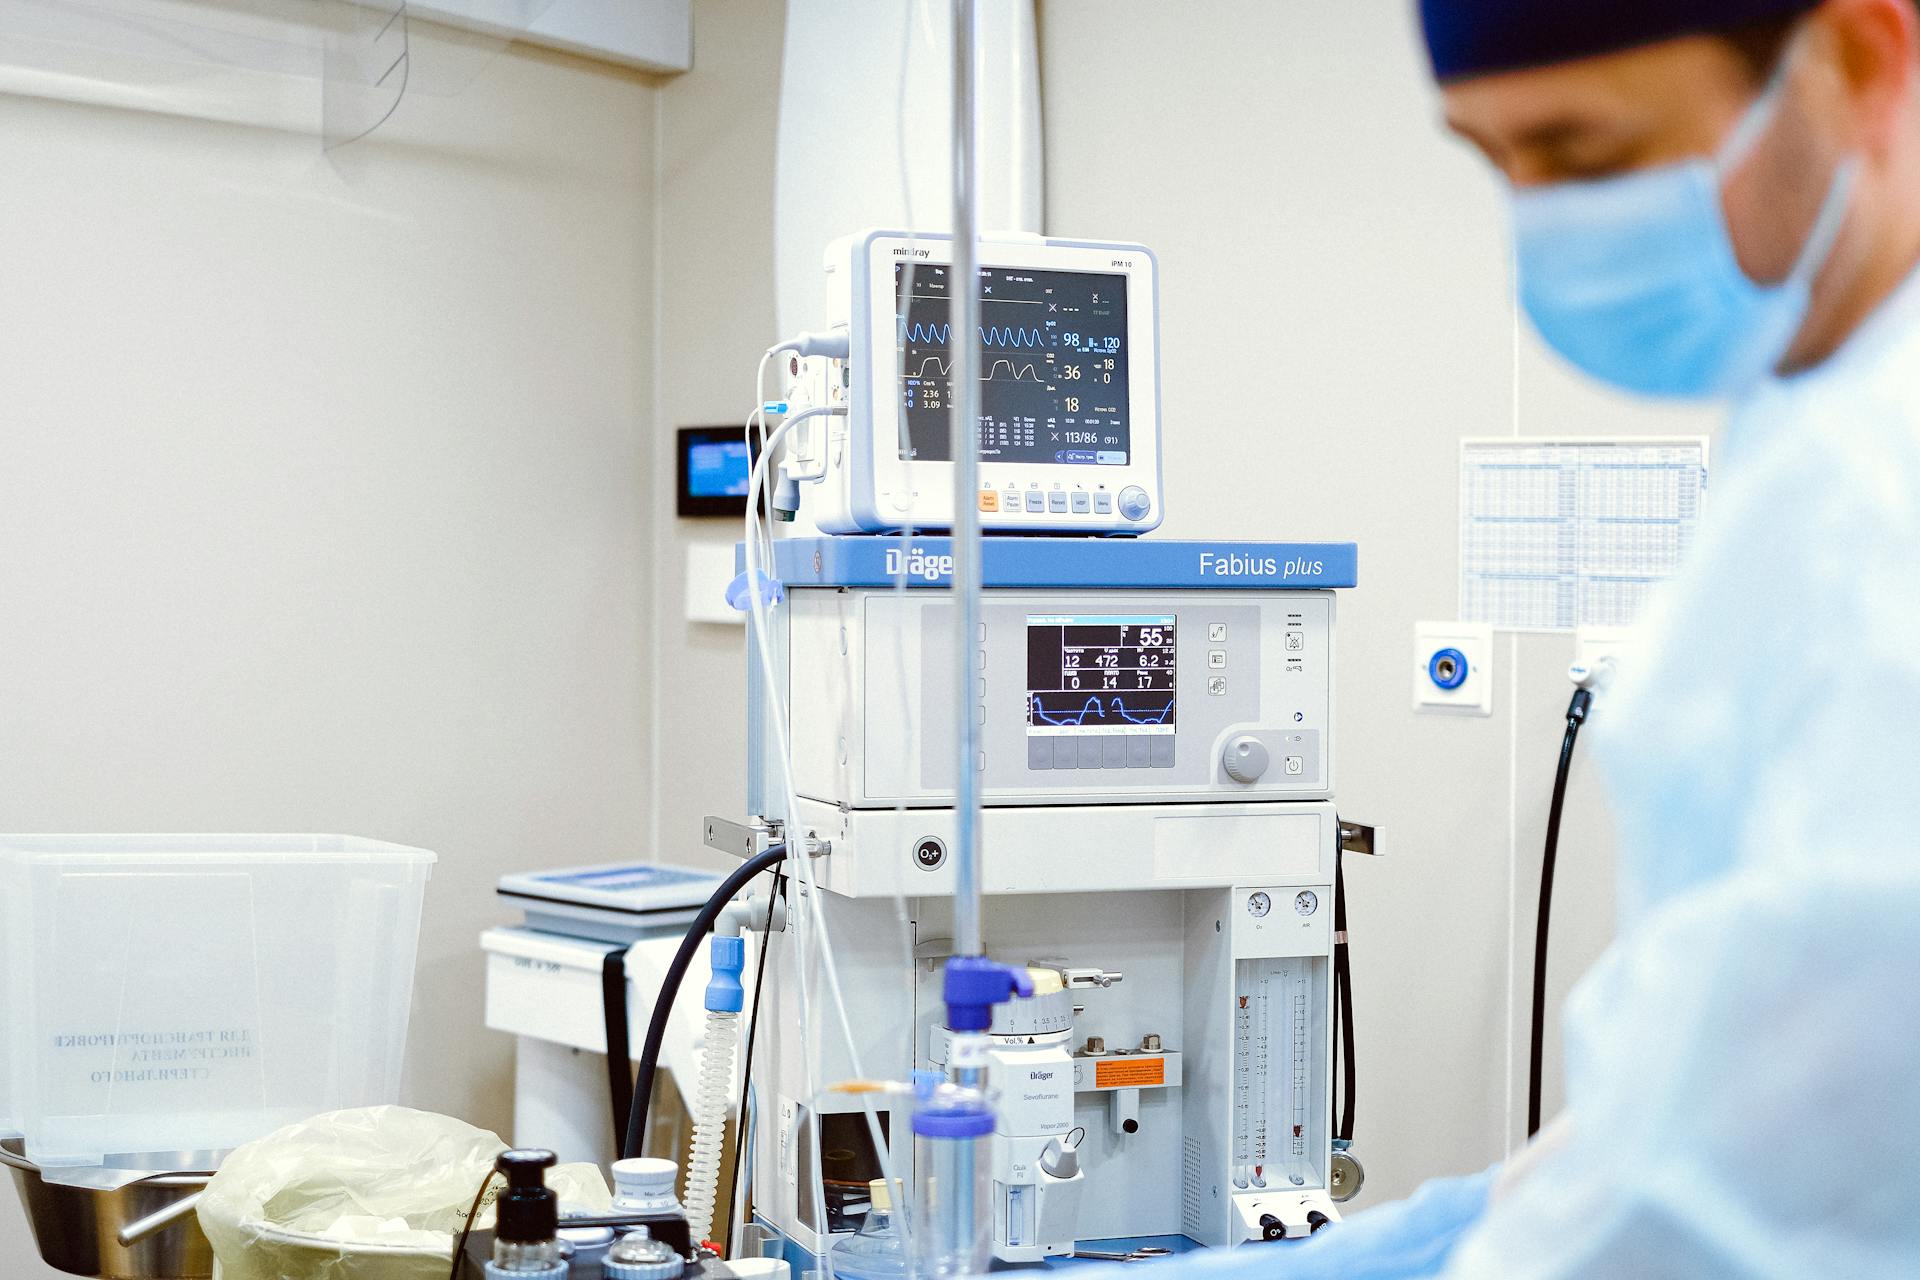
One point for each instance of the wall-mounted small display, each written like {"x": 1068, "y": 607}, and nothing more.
{"x": 714, "y": 467}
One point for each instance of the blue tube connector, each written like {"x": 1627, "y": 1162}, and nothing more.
{"x": 740, "y": 594}
{"x": 974, "y": 984}
{"x": 728, "y": 953}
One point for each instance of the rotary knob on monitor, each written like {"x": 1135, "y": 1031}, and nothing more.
{"x": 1245, "y": 759}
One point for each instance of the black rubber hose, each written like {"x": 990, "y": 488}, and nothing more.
{"x": 746, "y": 1065}
{"x": 613, "y": 1016}
{"x": 1343, "y": 1000}
{"x": 702, "y": 925}
{"x": 1576, "y": 716}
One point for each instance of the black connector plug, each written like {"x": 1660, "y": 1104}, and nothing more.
{"x": 528, "y": 1211}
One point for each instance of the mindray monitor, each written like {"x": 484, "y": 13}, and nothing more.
{"x": 1068, "y": 370}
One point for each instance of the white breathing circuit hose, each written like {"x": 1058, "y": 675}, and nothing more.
{"x": 711, "y": 1098}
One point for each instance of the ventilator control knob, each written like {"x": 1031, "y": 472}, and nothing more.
{"x": 1134, "y": 502}
{"x": 646, "y": 1185}
{"x": 1246, "y": 759}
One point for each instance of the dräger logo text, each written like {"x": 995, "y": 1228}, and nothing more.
{"x": 918, "y": 564}
{"x": 1235, "y": 565}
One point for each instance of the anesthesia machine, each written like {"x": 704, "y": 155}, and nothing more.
{"x": 1152, "y": 741}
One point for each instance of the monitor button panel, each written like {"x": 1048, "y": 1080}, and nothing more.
{"x": 1090, "y": 509}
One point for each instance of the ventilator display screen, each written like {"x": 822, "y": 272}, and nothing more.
{"x": 1053, "y": 365}
{"x": 1105, "y": 673}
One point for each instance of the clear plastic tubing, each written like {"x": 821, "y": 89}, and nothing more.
{"x": 952, "y": 1131}
{"x": 715, "y": 1086}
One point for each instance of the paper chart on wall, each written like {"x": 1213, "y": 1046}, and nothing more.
{"x": 1559, "y": 534}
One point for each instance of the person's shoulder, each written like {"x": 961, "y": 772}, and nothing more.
{"x": 1843, "y": 442}
{"x": 1819, "y": 495}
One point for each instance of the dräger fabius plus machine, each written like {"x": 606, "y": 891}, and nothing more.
{"x": 1155, "y": 756}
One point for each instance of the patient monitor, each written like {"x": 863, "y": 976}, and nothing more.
{"x": 1069, "y": 373}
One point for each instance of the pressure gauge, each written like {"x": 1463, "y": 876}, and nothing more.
{"x": 1258, "y": 905}
{"x": 1306, "y": 902}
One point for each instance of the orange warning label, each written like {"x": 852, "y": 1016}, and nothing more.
{"x": 1129, "y": 1073}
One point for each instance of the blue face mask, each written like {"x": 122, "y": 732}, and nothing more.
{"x": 1634, "y": 278}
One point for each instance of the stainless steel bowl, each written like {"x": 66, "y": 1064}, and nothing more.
{"x": 79, "y": 1229}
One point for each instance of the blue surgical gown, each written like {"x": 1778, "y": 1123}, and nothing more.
{"x": 1743, "y": 1064}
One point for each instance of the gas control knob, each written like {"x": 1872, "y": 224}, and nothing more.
{"x": 1246, "y": 759}
{"x": 1134, "y": 502}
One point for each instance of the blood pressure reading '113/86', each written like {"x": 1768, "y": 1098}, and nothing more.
{"x": 1114, "y": 674}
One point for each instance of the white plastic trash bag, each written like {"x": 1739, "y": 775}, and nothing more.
{"x": 378, "y": 1193}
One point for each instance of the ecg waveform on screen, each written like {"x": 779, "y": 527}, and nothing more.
{"x": 991, "y": 335}
{"x": 1092, "y": 707}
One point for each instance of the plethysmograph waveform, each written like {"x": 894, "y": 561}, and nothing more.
{"x": 1017, "y": 373}
{"x": 991, "y": 335}
{"x": 1092, "y": 707}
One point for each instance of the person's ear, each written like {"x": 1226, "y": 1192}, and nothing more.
{"x": 1877, "y": 50}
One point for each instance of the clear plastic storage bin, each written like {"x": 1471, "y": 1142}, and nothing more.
{"x": 169, "y": 996}
{"x": 13, "y": 922}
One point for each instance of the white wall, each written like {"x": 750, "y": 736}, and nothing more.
{"x": 323, "y": 494}
{"x": 715, "y": 316}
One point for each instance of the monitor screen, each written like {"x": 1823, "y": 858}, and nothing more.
{"x": 1101, "y": 673}
{"x": 1053, "y": 368}
{"x": 714, "y": 470}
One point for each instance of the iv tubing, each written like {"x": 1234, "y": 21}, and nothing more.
{"x": 759, "y": 644}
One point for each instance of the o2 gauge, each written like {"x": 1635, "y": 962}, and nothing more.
{"x": 1258, "y": 905}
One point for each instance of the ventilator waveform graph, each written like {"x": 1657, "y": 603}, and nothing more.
{"x": 999, "y": 370}
{"x": 991, "y": 335}
{"x": 1095, "y": 713}
{"x": 1101, "y": 672}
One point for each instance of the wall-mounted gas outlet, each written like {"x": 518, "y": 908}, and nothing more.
{"x": 1598, "y": 653}
{"x": 1453, "y": 668}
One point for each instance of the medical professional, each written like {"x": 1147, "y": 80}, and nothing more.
{"x": 1720, "y": 199}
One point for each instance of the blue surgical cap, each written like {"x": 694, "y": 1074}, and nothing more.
{"x": 1476, "y": 37}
